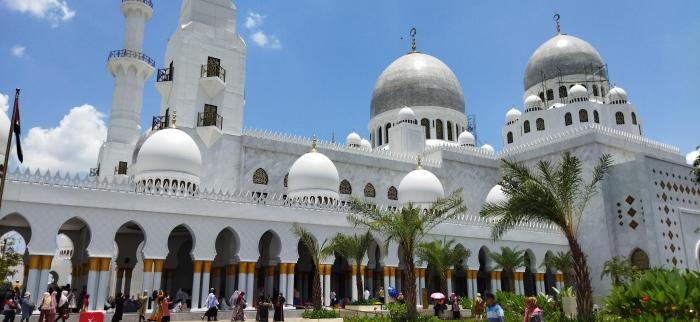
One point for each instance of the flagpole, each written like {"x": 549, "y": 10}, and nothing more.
{"x": 7, "y": 149}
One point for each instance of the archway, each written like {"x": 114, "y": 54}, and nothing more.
{"x": 374, "y": 273}
{"x": 129, "y": 240}
{"x": 266, "y": 270}
{"x": 459, "y": 278}
{"x": 483, "y": 276}
{"x": 550, "y": 280}
{"x": 61, "y": 271}
{"x": 639, "y": 260}
{"x": 72, "y": 242}
{"x": 303, "y": 276}
{"x": 529, "y": 280}
{"x": 178, "y": 263}
{"x": 341, "y": 277}
{"x": 223, "y": 274}
{"x": 16, "y": 232}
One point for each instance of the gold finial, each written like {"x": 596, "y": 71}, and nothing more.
{"x": 556, "y": 20}
{"x": 420, "y": 163}
{"x": 313, "y": 144}
{"x": 413, "y": 39}
{"x": 173, "y": 123}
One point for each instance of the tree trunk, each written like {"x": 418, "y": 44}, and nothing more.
{"x": 358, "y": 281}
{"x": 511, "y": 282}
{"x": 316, "y": 289}
{"x": 443, "y": 284}
{"x": 584, "y": 291}
{"x": 410, "y": 287}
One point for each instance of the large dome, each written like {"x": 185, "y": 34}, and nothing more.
{"x": 420, "y": 187}
{"x": 416, "y": 79}
{"x": 313, "y": 175}
{"x": 565, "y": 53}
{"x": 169, "y": 152}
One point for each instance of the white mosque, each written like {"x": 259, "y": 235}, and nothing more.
{"x": 197, "y": 201}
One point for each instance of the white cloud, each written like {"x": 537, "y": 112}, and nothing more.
{"x": 253, "y": 20}
{"x": 71, "y": 146}
{"x": 55, "y": 11}
{"x": 4, "y": 102}
{"x": 18, "y": 51}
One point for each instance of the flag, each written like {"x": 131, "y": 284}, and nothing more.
{"x": 16, "y": 128}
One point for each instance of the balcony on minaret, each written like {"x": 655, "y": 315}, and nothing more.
{"x": 213, "y": 78}
{"x": 209, "y": 124}
{"x": 120, "y": 60}
{"x": 164, "y": 82}
{"x": 146, "y": 2}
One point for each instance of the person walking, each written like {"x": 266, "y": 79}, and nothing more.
{"x": 494, "y": 312}
{"x": 279, "y": 308}
{"x": 478, "y": 307}
{"x": 46, "y": 306}
{"x": 366, "y": 294}
{"x": 166, "y": 308}
{"x": 380, "y": 294}
{"x": 143, "y": 303}
{"x": 212, "y": 313}
{"x": 72, "y": 305}
{"x": 532, "y": 312}
{"x": 263, "y": 306}
{"x": 62, "y": 309}
{"x": 455, "y": 306}
{"x": 118, "y": 308}
{"x": 85, "y": 305}
{"x": 238, "y": 314}
{"x": 157, "y": 314}
{"x": 27, "y": 307}
{"x": 9, "y": 307}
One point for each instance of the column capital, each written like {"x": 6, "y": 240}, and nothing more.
{"x": 158, "y": 265}
{"x": 283, "y": 268}
{"x": 34, "y": 261}
{"x": 251, "y": 267}
{"x": 46, "y": 261}
{"x": 147, "y": 264}
{"x": 206, "y": 266}
{"x": 104, "y": 263}
{"x": 270, "y": 271}
{"x": 448, "y": 274}
{"x": 196, "y": 267}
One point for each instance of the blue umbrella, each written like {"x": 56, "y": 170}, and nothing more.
{"x": 393, "y": 292}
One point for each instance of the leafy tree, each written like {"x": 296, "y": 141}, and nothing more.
{"x": 441, "y": 256}
{"x": 563, "y": 262}
{"x": 9, "y": 259}
{"x": 553, "y": 194}
{"x": 317, "y": 252}
{"x": 407, "y": 226}
{"x": 618, "y": 268}
{"x": 353, "y": 248}
{"x": 508, "y": 260}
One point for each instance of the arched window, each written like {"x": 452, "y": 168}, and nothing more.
{"x": 426, "y": 125}
{"x": 540, "y": 124}
{"x": 563, "y": 92}
{"x": 392, "y": 194}
{"x": 449, "y": 131}
{"x": 379, "y": 136}
{"x": 286, "y": 180}
{"x": 619, "y": 118}
{"x": 345, "y": 187}
{"x": 541, "y": 96}
{"x": 526, "y": 127}
{"x": 369, "y": 191}
{"x": 582, "y": 116}
{"x": 567, "y": 119}
{"x": 509, "y": 137}
{"x": 596, "y": 118}
{"x": 602, "y": 91}
{"x": 595, "y": 90}
{"x": 639, "y": 259}
{"x": 386, "y": 128}
{"x": 260, "y": 176}
{"x": 550, "y": 94}
{"x": 634, "y": 118}
{"x": 439, "y": 130}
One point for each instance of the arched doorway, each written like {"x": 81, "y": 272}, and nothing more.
{"x": 129, "y": 240}
{"x": 459, "y": 278}
{"x": 179, "y": 265}
{"x": 16, "y": 234}
{"x": 529, "y": 280}
{"x": 483, "y": 276}
{"x": 374, "y": 278}
{"x": 639, "y": 260}
{"x": 223, "y": 274}
{"x": 72, "y": 241}
{"x": 303, "y": 276}
{"x": 266, "y": 268}
{"x": 341, "y": 277}
{"x": 550, "y": 280}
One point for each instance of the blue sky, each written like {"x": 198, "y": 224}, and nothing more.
{"x": 317, "y": 71}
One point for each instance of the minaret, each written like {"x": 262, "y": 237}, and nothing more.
{"x": 130, "y": 68}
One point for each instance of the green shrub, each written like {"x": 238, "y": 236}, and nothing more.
{"x": 320, "y": 314}
{"x": 466, "y": 302}
{"x": 397, "y": 311}
{"x": 511, "y": 302}
{"x": 364, "y": 302}
{"x": 656, "y": 295}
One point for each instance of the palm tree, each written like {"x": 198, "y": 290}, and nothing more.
{"x": 316, "y": 252}
{"x": 554, "y": 194}
{"x": 696, "y": 168}
{"x": 353, "y": 248}
{"x": 619, "y": 269}
{"x": 508, "y": 261}
{"x": 562, "y": 262}
{"x": 406, "y": 226}
{"x": 441, "y": 256}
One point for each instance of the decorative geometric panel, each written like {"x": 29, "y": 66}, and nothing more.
{"x": 629, "y": 200}
{"x": 664, "y": 197}
{"x": 674, "y": 260}
{"x": 345, "y": 187}
{"x": 634, "y": 224}
{"x": 666, "y": 209}
{"x": 670, "y": 235}
{"x": 663, "y": 185}
{"x": 673, "y": 248}
{"x": 631, "y": 212}
{"x": 369, "y": 191}
{"x": 668, "y": 222}
{"x": 260, "y": 176}
{"x": 392, "y": 194}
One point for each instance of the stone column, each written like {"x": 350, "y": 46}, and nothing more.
{"x": 326, "y": 284}
{"x": 282, "y": 282}
{"x": 418, "y": 291}
{"x": 519, "y": 282}
{"x": 196, "y": 282}
{"x": 392, "y": 278}
{"x": 560, "y": 280}
{"x": 206, "y": 274}
{"x": 386, "y": 282}
{"x": 93, "y": 279}
{"x": 471, "y": 289}
{"x": 448, "y": 276}
{"x": 44, "y": 268}
{"x": 369, "y": 280}
{"x": 230, "y": 280}
{"x": 243, "y": 278}
{"x": 290, "y": 284}
{"x": 157, "y": 273}
{"x": 361, "y": 293}
{"x": 120, "y": 281}
{"x": 422, "y": 285}
{"x": 127, "y": 280}
{"x": 147, "y": 275}
{"x": 250, "y": 279}
{"x": 269, "y": 280}
{"x": 495, "y": 282}
{"x": 32, "y": 284}
{"x": 215, "y": 279}
{"x": 540, "y": 283}
{"x": 103, "y": 283}
{"x": 353, "y": 284}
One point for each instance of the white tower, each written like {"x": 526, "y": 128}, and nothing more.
{"x": 203, "y": 78}
{"x": 130, "y": 67}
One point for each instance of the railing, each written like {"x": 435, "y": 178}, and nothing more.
{"x": 132, "y": 54}
{"x": 160, "y": 122}
{"x": 147, "y": 2}
{"x": 213, "y": 70}
{"x": 165, "y": 74}
{"x": 209, "y": 119}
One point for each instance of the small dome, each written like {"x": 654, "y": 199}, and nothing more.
{"x": 561, "y": 55}
{"x": 4, "y": 130}
{"x": 578, "y": 91}
{"x": 496, "y": 195}
{"x": 169, "y": 154}
{"x": 489, "y": 148}
{"x": 406, "y": 114}
{"x": 353, "y": 139}
{"x": 366, "y": 145}
{"x": 512, "y": 115}
{"x": 617, "y": 95}
{"x": 313, "y": 175}
{"x": 466, "y": 138}
{"x": 533, "y": 103}
{"x": 416, "y": 79}
{"x": 691, "y": 157}
{"x": 420, "y": 187}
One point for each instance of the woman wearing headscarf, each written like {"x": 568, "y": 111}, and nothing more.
{"x": 27, "y": 307}
{"x": 62, "y": 310}
{"x": 86, "y": 303}
{"x": 157, "y": 309}
{"x": 263, "y": 307}
{"x": 238, "y": 313}
{"x": 118, "y": 308}
{"x": 279, "y": 308}
{"x": 46, "y": 307}
{"x": 9, "y": 307}
{"x": 455, "y": 306}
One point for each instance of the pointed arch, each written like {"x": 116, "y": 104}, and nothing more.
{"x": 619, "y": 118}
{"x": 345, "y": 187}
{"x": 567, "y": 119}
{"x": 425, "y": 123}
{"x": 639, "y": 259}
{"x": 540, "y": 124}
{"x": 392, "y": 193}
{"x": 369, "y": 191}
{"x": 439, "y": 130}
{"x": 526, "y": 126}
{"x": 582, "y": 115}
{"x": 260, "y": 176}
{"x": 596, "y": 117}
